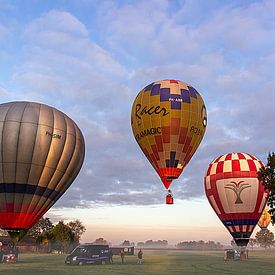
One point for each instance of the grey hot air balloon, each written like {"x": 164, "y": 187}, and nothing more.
{"x": 41, "y": 153}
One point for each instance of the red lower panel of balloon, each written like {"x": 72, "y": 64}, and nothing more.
{"x": 168, "y": 174}
{"x": 9, "y": 220}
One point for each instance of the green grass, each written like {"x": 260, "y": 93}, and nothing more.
{"x": 155, "y": 262}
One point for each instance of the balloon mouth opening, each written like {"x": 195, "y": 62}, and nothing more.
{"x": 166, "y": 182}
{"x": 241, "y": 242}
{"x": 16, "y": 234}
{"x": 170, "y": 178}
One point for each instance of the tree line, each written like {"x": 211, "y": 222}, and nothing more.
{"x": 61, "y": 237}
{"x": 199, "y": 245}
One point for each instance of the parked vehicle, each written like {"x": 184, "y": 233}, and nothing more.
{"x": 89, "y": 254}
{"x": 128, "y": 250}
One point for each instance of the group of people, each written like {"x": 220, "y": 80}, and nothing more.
{"x": 122, "y": 256}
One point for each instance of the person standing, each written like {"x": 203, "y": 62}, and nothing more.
{"x": 122, "y": 254}
{"x": 140, "y": 255}
{"x": 111, "y": 257}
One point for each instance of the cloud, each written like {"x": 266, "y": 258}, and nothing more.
{"x": 4, "y": 32}
{"x": 62, "y": 60}
{"x": 226, "y": 53}
{"x": 6, "y": 5}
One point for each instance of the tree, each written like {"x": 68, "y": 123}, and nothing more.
{"x": 159, "y": 243}
{"x": 63, "y": 236}
{"x": 264, "y": 238}
{"x": 252, "y": 242}
{"x": 42, "y": 232}
{"x": 210, "y": 245}
{"x": 267, "y": 176}
{"x": 100, "y": 241}
{"x": 140, "y": 244}
{"x": 126, "y": 243}
{"x": 42, "y": 226}
{"x": 78, "y": 229}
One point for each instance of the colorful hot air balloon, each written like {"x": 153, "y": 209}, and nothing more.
{"x": 42, "y": 151}
{"x": 236, "y": 194}
{"x": 168, "y": 121}
{"x": 264, "y": 220}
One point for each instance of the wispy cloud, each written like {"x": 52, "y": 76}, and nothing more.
{"x": 92, "y": 70}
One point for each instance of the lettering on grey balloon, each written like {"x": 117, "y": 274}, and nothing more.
{"x": 196, "y": 130}
{"x": 147, "y": 132}
{"x": 53, "y": 135}
{"x": 140, "y": 111}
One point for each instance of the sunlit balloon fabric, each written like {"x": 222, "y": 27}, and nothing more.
{"x": 168, "y": 122}
{"x": 235, "y": 193}
{"x": 42, "y": 151}
{"x": 264, "y": 220}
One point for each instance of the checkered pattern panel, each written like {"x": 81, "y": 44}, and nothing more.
{"x": 168, "y": 121}
{"x": 234, "y": 162}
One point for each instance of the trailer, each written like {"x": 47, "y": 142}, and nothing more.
{"x": 128, "y": 250}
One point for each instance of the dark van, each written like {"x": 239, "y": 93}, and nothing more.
{"x": 89, "y": 254}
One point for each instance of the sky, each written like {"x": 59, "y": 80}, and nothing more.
{"x": 89, "y": 59}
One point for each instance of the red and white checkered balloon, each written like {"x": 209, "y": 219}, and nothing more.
{"x": 235, "y": 193}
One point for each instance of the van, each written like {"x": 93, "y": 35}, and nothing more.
{"x": 89, "y": 254}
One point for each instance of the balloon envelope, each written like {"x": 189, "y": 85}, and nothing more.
{"x": 168, "y": 121}
{"x": 236, "y": 194}
{"x": 264, "y": 220}
{"x": 42, "y": 151}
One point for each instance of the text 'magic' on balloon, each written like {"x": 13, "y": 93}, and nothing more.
{"x": 168, "y": 121}
{"x": 42, "y": 151}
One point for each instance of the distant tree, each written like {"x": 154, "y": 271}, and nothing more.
{"x": 210, "y": 245}
{"x": 46, "y": 241}
{"x": 126, "y": 243}
{"x": 140, "y": 244}
{"x": 264, "y": 238}
{"x": 159, "y": 243}
{"x": 252, "y": 242}
{"x": 63, "y": 237}
{"x": 78, "y": 229}
{"x": 267, "y": 176}
{"x": 100, "y": 241}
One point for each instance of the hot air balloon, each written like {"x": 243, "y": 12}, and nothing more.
{"x": 42, "y": 151}
{"x": 168, "y": 121}
{"x": 236, "y": 194}
{"x": 264, "y": 220}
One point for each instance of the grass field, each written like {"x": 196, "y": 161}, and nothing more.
{"x": 155, "y": 262}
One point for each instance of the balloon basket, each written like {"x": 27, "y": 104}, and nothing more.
{"x": 169, "y": 199}
{"x": 239, "y": 254}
